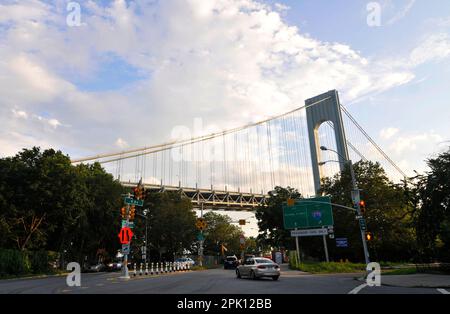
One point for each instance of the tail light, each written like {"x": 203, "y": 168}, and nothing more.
{"x": 261, "y": 267}
{"x": 276, "y": 267}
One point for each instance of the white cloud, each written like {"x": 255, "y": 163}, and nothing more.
{"x": 19, "y": 114}
{"x": 435, "y": 48}
{"x": 121, "y": 143}
{"x": 416, "y": 143}
{"x": 387, "y": 133}
{"x": 227, "y": 61}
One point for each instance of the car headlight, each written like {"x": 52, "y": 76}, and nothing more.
{"x": 110, "y": 265}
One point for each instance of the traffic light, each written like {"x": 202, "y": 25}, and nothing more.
{"x": 369, "y": 236}
{"x": 362, "y": 207}
{"x": 132, "y": 212}
{"x": 138, "y": 192}
{"x": 123, "y": 212}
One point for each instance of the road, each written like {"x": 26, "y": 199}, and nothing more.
{"x": 217, "y": 281}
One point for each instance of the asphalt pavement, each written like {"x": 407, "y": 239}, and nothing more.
{"x": 214, "y": 281}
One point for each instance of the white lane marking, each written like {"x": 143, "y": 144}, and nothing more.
{"x": 357, "y": 289}
{"x": 443, "y": 291}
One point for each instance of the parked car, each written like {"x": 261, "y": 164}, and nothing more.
{"x": 95, "y": 268}
{"x": 114, "y": 266}
{"x": 231, "y": 262}
{"x": 258, "y": 267}
{"x": 185, "y": 260}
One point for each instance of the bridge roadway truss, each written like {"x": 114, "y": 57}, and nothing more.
{"x": 212, "y": 199}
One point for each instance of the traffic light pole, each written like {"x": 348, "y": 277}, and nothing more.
{"x": 358, "y": 210}
{"x": 200, "y": 250}
{"x": 126, "y": 274}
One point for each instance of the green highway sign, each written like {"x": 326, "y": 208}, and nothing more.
{"x": 200, "y": 237}
{"x": 132, "y": 201}
{"x": 308, "y": 213}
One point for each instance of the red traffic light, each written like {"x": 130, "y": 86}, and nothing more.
{"x": 362, "y": 203}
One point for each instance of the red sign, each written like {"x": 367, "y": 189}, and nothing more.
{"x": 125, "y": 235}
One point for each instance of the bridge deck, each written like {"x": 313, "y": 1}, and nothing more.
{"x": 212, "y": 199}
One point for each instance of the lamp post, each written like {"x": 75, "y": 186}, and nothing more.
{"x": 354, "y": 194}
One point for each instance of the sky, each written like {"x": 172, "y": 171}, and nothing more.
{"x": 126, "y": 73}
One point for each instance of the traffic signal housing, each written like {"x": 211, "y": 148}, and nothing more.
{"x": 138, "y": 192}
{"x": 362, "y": 207}
{"x": 123, "y": 212}
{"x": 132, "y": 212}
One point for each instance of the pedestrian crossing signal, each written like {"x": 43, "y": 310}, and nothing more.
{"x": 369, "y": 236}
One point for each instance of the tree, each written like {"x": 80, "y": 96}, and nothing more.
{"x": 171, "y": 223}
{"x": 433, "y": 215}
{"x": 37, "y": 189}
{"x": 270, "y": 218}
{"x": 220, "y": 231}
{"x": 387, "y": 214}
{"x": 47, "y": 203}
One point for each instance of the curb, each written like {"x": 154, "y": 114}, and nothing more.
{"x": 34, "y": 277}
{"x": 410, "y": 286}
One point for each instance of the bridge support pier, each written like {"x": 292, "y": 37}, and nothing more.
{"x": 320, "y": 109}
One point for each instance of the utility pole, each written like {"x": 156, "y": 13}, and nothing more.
{"x": 200, "y": 249}
{"x": 126, "y": 275}
{"x": 356, "y": 199}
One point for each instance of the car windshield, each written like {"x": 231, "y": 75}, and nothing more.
{"x": 231, "y": 259}
{"x": 264, "y": 261}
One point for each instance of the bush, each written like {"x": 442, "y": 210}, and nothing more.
{"x": 39, "y": 261}
{"x": 13, "y": 262}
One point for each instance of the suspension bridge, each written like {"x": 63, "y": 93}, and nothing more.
{"x": 235, "y": 168}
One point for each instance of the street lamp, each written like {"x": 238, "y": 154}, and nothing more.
{"x": 354, "y": 194}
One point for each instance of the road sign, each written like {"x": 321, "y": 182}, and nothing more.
{"x": 308, "y": 213}
{"x": 309, "y": 232}
{"x": 126, "y": 249}
{"x": 341, "y": 242}
{"x": 201, "y": 224}
{"x": 132, "y": 201}
{"x": 200, "y": 237}
{"x": 129, "y": 224}
{"x": 362, "y": 224}
{"x": 125, "y": 235}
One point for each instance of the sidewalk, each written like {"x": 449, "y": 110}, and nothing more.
{"x": 416, "y": 281}
{"x": 284, "y": 268}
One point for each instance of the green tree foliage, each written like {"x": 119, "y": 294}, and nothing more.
{"x": 171, "y": 223}
{"x": 270, "y": 218}
{"x": 220, "y": 231}
{"x": 432, "y": 223}
{"x": 387, "y": 215}
{"x": 46, "y": 203}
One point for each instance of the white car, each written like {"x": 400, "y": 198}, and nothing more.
{"x": 257, "y": 267}
{"x": 185, "y": 260}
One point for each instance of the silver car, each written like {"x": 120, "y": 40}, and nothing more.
{"x": 258, "y": 267}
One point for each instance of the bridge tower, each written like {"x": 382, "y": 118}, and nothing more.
{"x": 320, "y": 109}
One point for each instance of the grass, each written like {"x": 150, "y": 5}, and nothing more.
{"x": 54, "y": 273}
{"x": 400, "y": 271}
{"x": 332, "y": 267}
